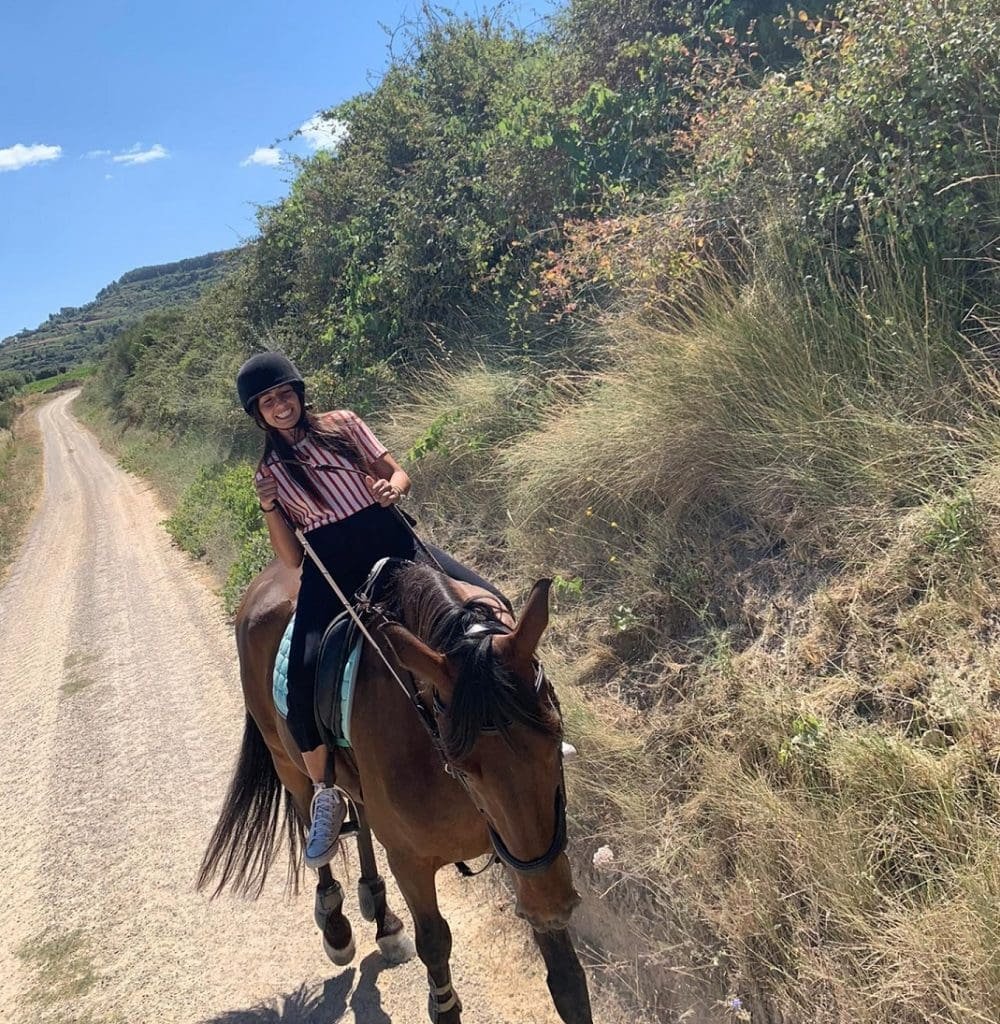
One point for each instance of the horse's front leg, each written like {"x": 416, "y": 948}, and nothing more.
{"x": 328, "y": 913}
{"x": 416, "y": 882}
{"x": 565, "y": 977}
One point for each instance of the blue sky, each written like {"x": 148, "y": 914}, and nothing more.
{"x": 134, "y": 133}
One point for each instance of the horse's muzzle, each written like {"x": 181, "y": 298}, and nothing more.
{"x": 549, "y": 916}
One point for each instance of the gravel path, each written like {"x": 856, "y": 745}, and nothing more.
{"x": 121, "y": 720}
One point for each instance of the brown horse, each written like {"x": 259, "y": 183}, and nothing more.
{"x": 456, "y": 753}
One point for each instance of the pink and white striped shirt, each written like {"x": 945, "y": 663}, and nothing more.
{"x": 343, "y": 491}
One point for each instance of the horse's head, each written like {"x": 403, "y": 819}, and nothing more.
{"x": 498, "y": 728}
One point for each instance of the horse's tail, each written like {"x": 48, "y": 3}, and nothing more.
{"x": 246, "y": 838}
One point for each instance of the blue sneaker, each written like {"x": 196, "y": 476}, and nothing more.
{"x": 327, "y": 813}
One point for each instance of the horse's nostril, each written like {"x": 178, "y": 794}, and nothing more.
{"x": 547, "y": 921}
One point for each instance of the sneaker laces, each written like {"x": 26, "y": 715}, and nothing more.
{"x": 321, "y": 813}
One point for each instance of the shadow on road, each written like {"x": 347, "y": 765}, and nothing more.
{"x": 310, "y": 1005}
{"x": 305, "y": 1005}
{"x": 367, "y": 1000}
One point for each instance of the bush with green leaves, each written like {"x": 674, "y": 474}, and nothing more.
{"x": 887, "y": 129}
{"x": 218, "y": 516}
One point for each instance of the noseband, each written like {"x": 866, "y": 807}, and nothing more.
{"x": 558, "y": 844}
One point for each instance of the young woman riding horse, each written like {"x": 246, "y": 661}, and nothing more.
{"x": 455, "y": 730}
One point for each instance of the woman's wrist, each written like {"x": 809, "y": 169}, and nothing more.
{"x": 266, "y": 510}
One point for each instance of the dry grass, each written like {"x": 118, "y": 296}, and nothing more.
{"x": 449, "y": 435}
{"x": 814, "y": 420}
{"x": 822, "y": 796}
{"x": 777, "y": 641}
{"x": 20, "y": 480}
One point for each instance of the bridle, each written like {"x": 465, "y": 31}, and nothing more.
{"x": 501, "y": 851}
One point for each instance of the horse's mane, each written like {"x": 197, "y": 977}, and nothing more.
{"x": 486, "y": 696}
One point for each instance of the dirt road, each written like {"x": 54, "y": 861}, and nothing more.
{"x": 120, "y": 721}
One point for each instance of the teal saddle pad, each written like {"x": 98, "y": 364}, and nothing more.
{"x": 281, "y": 670}
{"x": 343, "y": 664}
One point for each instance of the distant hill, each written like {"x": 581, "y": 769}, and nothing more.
{"x": 80, "y": 334}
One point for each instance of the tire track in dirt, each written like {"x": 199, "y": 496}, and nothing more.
{"x": 121, "y": 720}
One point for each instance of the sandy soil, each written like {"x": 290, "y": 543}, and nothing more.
{"x": 121, "y": 719}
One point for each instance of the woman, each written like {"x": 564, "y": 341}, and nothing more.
{"x": 337, "y": 482}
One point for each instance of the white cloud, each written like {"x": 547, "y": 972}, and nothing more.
{"x": 263, "y": 156}
{"x": 13, "y": 158}
{"x": 94, "y": 154}
{"x": 323, "y": 132}
{"x": 138, "y": 155}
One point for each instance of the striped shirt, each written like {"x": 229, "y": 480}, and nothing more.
{"x": 343, "y": 493}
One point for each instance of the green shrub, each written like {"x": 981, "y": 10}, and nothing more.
{"x": 218, "y": 518}
{"x": 888, "y": 128}
{"x": 255, "y": 553}
{"x": 8, "y": 413}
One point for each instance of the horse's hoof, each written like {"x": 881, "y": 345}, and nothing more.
{"x": 341, "y": 957}
{"x": 397, "y": 949}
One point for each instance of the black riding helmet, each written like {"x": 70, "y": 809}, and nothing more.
{"x": 262, "y": 372}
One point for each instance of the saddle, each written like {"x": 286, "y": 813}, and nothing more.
{"x": 339, "y": 656}
{"x": 337, "y": 663}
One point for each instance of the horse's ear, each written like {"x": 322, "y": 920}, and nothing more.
{"x": 415, "y": 655}
{"x": 520, "y": 645}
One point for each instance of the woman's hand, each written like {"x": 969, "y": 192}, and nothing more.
{"x": 267, "y": 492}
{"x": 384, "y": 492}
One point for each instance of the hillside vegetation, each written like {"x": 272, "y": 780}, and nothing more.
{"x": 79, "y": 334}
{"x": 694, "y": 308}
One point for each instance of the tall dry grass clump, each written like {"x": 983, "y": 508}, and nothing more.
{"x": 449, "y": 432}
{"x": 811, "y": 411}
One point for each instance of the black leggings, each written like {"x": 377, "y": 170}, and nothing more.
{"x": 348, "y": 549}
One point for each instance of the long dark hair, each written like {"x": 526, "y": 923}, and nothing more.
{"x": 331, "y": 438}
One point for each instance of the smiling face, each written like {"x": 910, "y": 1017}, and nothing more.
{"x": 280, "y": 408}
